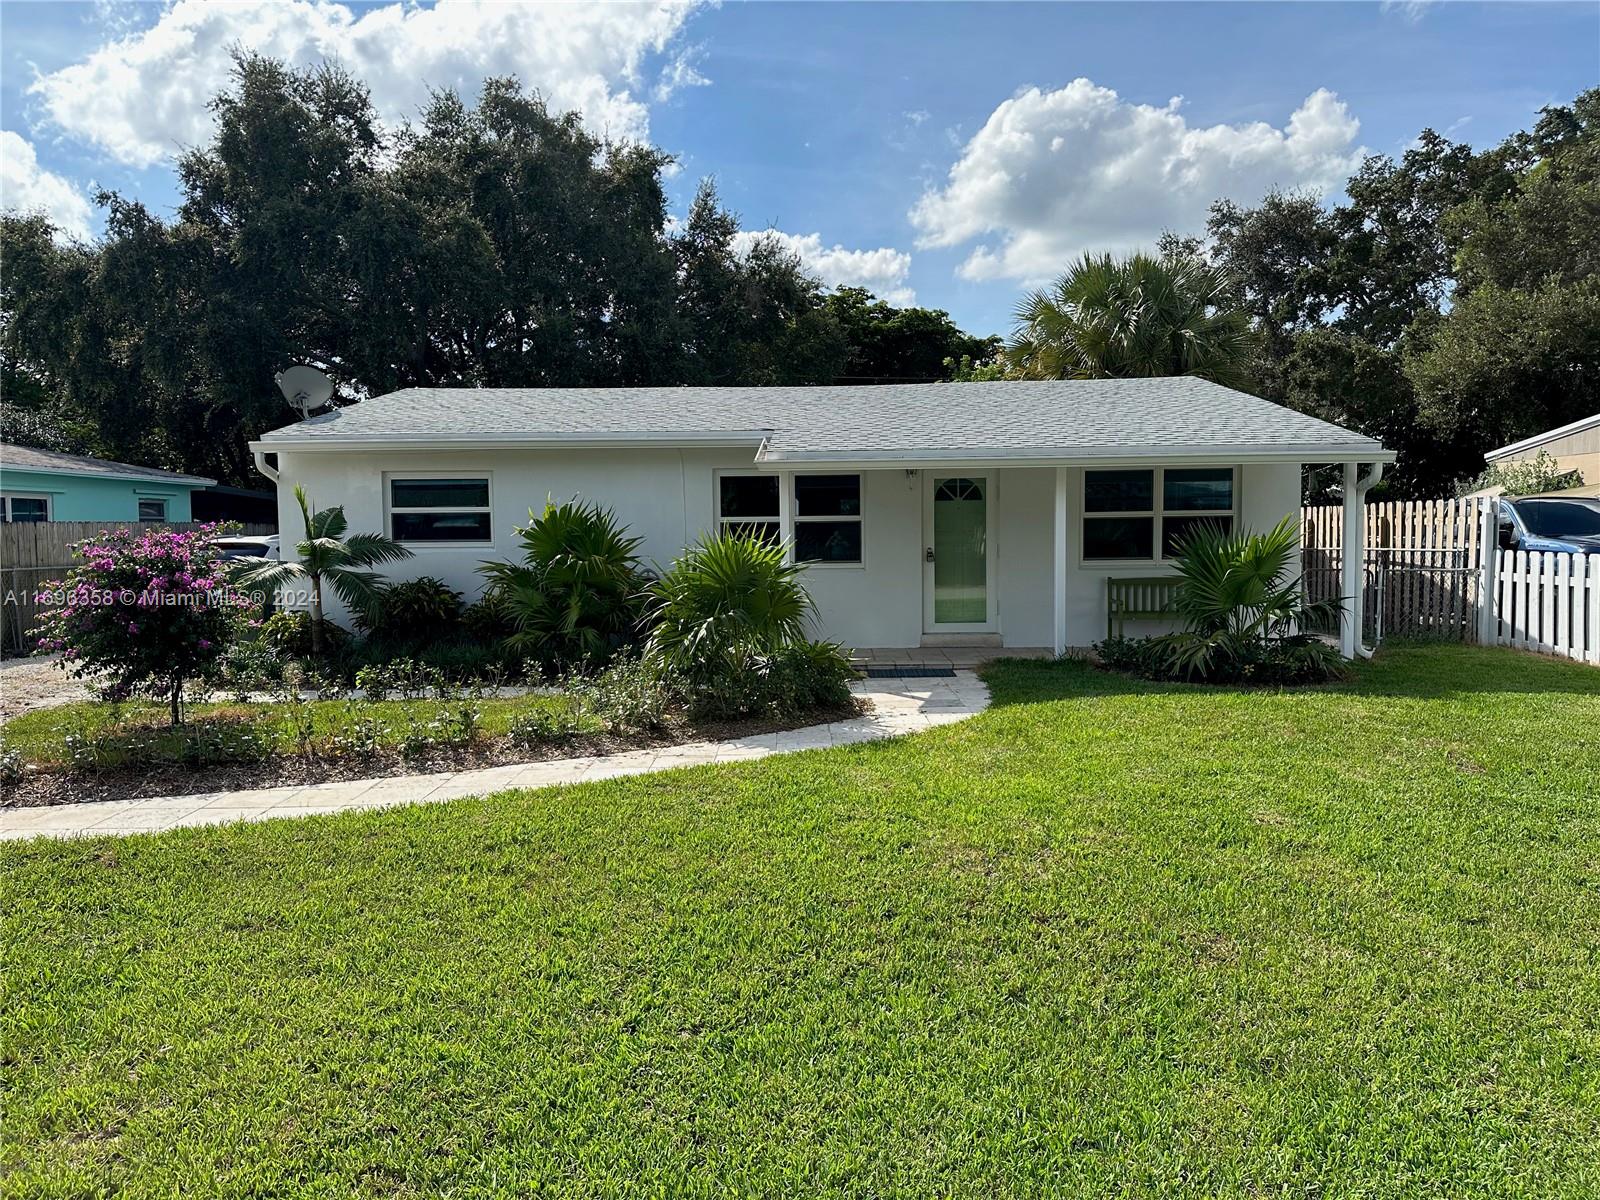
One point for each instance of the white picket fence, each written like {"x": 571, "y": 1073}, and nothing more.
{"x": 1544, "y": 602}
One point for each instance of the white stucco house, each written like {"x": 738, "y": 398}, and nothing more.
{"x": 927, "y": 514}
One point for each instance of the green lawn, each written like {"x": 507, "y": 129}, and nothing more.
{"x": 1107, "y": 938}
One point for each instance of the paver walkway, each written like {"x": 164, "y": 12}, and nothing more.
{"x": 899, "y": 706}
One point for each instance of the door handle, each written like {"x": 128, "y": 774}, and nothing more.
{"x": 927, "y": 555}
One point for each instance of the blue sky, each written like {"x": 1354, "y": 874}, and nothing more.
{"x": 950, "y": 153}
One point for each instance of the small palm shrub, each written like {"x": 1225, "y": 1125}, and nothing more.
{"x": 1244, "y": 609}
{"x": 729, "y": 621}
{"x": 727, "y": 600}
{"x": 417, "y": 610}
{"x": 576, "y": 598}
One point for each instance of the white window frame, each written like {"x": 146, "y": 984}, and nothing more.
{"x": 1158, "y": 512}
{"x": 797, "y": 520}
{"x": 787, "y": 518}
{"x": 781, "y": 519}
{"x": 140, "y": 501}
{"x": 49, "y": 504}
{"x": 390, "y": 478}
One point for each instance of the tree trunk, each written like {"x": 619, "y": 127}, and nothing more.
{"x": 175, "y": 698}
{"x": 316, "y": 617}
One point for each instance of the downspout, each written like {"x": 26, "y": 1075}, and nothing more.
{"x": 261, "y": 465}
{"x": 1363, "y": 484}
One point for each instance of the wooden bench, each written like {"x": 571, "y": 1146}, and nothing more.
{"x": 1144, "y": 598}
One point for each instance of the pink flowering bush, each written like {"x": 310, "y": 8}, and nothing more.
{"x": 154, "y": 610}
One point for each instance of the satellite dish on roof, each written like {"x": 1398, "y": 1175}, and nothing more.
{"x": 305, "y": 388}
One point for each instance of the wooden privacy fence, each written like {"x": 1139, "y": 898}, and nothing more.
{"x": 1546, "y": 602}
{"x": 32, "y": 553}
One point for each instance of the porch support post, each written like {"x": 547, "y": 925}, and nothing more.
{"x": 1059, "y": 574}
{"x": 1351, "y": 554}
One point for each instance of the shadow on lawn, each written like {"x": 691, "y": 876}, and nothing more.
{"x": 1420, "y": 670}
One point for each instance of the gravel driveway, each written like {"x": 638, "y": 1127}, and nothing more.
{"x": 27, "y": 683}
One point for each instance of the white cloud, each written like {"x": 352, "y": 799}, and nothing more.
{"x": 1052, "y": 174}
{"x": 1411, "y": 11}
{"x": 882, "y": 271}
{"x": 143, "y": 97}
{"x": 25, "y": 186}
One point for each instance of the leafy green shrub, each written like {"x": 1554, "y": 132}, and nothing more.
{"x": 1286, "y": 661}
{"x": 489, "y": 620}
{"x": 795, "y": 679}
{"x": 376, "y": 682}
{"x": 726, "y": 601}
{"x": 462, "y": 726}
{"x": 360, "y": 734}
{"x": 413, "y": 612}
{"x": 1146, "y": 657}
{"x": 289, "y": 633}
{"x": 1525, "y": 477}
{"x": 544, "y": 724}
{"x": 576, "y": 598}
{"x": 465, "y": 662}
{"x": 631, "y": 695}
{"x": 252, "y": 665}
{"x": 198, "y": 744}
{"x": 11, "y": 765}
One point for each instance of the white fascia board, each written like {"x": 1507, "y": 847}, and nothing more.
{"x": 1369, "y": 452}
{"x": 543, "y": 441}
{"x": 1540, "y": 439}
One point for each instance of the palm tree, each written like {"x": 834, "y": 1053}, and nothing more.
{"x": 1140, "y": 316}
{"x": 328, "y": 554}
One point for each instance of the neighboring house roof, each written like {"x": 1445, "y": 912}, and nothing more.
{"x": 52, "y": 462}
{"x": 1056, "y": 419}
{"x": 1541, "y": 439}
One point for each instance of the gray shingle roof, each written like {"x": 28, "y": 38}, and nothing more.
{"x": 30, "y": 458}
{"x": 1062, "y": 418}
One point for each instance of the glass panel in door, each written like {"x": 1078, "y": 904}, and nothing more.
{"x": 960, "y": 551}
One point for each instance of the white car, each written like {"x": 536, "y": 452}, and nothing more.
{"x": 259, "y": 546}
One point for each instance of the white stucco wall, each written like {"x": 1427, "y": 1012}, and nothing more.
{"x": 667, "y": 497}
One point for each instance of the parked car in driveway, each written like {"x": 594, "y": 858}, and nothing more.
{"x": 1550, "y": 523}
{"x": 258, "y": 546}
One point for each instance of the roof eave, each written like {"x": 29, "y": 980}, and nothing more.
{"x": 166, "y": 477}
{"x": 710, "y": 439}
{"x": 1539, "y": 439}
{"x": 1365, "y": 451}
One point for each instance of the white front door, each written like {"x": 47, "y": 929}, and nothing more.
{"x": 958, "y": 553}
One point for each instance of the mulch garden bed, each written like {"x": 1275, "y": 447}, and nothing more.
{"x": 63, "y": 785}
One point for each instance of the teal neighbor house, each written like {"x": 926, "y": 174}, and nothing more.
{"x": 43, "y": 485}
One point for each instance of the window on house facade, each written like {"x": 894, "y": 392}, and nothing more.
{"x": 440, "y": 510}
{"x": 152, "y": 510}
{"x": 820, "y": 514}
{"x": 25, "y": 510}
{"x": 750, "y": 504}
{"x": 1129, "y": 513}
{"x": 827, "y": 518}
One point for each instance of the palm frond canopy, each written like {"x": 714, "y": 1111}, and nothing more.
{"x": 1135, "y": 317}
